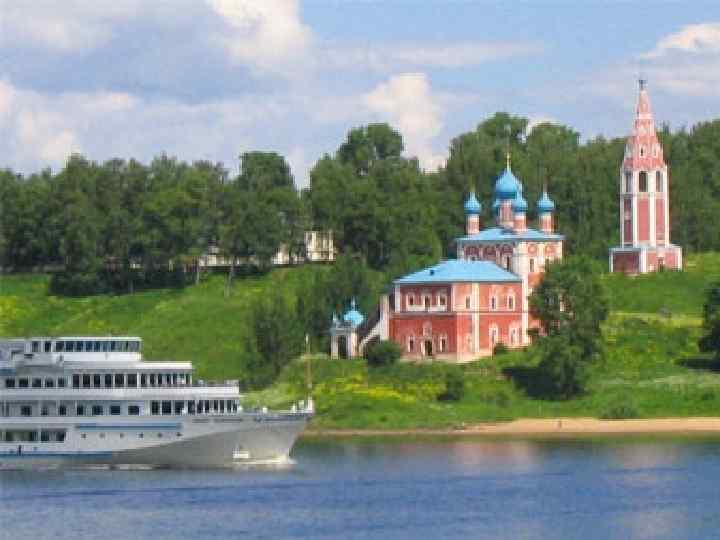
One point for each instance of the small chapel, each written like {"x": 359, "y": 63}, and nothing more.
{"x": 461, "y": 309}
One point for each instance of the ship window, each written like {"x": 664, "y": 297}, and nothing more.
{"x": 59, "y": 346}
{"x": 167, "y": 407}
{"x": 76, "y": 381}
{"x": 79, "y": 346}
{"x": 88, "y": 346}
{"x": 35, "y": 346}
{"x": 97, "y": 380}
{"x": 70, "y": 346}
{"x": 97, "y": 410}
{"x": 80, "y": 410}
{"x": 222, "y": 406}
{"x": 152, "y": 379}
{"x": 9, "y": 383}
{"x": 179, "y": 407}
{"x": 86, "y": 381}
{"x": 141, "y": 435}
{"x": 37, "y": 383}
{"x": 48, "y": 346}
{"x": 106, "y": 346}
{"x": 44, "y": 436}
{"x": 191, "y": 407}
{"x": 44, "y": 411}
{"x": 174, "y": 379}
{"x": 199, "y": 407}
{"x": 155, "y": 407}
{"x": 114, "y": 409}
{"x": 23, "y": 383}
{"x": 61, "y": 382}
{"x": 97, "y": 346}
{"x": 26, "y": 410}
{"x": 108, "y": 380}
{"x": 113, "y": 346}
{"x": 119, "y": 380}
{"x": 62, "y": 410}
{"x": 133, "y": 410}
{"x": 132, "y": 380}
{"x": 50, "y": 383}
{"x": 143, "y": 380}
{"x": 207, "y": 405}
{"x": 134, "y": 346}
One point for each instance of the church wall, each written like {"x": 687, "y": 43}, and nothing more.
{"x": 643, "y": 220}
{"x": 627, "y": 262}
{"x": 660, "y": 220}
{"x": 419, "y": 293}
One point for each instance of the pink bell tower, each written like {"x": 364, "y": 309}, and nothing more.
{"x": 644, "y": 201}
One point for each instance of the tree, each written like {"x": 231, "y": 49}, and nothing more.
{"x": 454, "y": 385}
{"x": 710, "y": 341}
{"x": 382, "y": 353}
{"x": 571, "y": 305}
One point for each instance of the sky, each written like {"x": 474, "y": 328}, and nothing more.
{"x": 211, "y": 79}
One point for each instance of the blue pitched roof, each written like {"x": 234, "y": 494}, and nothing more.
{"x": 455, "y": 270}
{"x": 498, "y": 234}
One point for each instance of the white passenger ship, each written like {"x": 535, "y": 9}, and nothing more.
{"x": 93, "y": 400}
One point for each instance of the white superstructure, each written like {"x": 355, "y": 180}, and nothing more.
{"x": 83, "y": 400}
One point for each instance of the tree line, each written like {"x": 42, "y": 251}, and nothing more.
{"x": 123, "y": 225}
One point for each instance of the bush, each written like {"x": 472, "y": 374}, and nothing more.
{"x": 454, "y": 386}
{"x": 500, "y": 348}
{"x": 382, "y": 353}
{"x": 622, "y": 410}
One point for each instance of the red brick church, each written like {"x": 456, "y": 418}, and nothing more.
{"x": 459, "y": 310}
{"x": 644, "y": 201}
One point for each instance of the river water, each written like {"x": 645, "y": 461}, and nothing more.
{"x": 397, "y": 489}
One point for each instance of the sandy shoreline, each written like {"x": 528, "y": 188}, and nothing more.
{"x": 545, "y": 427}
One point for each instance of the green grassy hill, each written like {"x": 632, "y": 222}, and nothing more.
{"x": 652, "y": 366}
{"x": 195, "y": 324}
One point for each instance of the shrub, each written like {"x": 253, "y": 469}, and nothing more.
{"x": 500, "y": 348}
{"x": 621, "y": 410}
{"x": 382, "y": 353}
{"x": 454, "y": 386}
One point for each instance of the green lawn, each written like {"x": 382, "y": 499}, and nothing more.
{"x": 652, "y": 366}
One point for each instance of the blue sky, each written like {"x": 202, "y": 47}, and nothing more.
{"x": 209, "y": 79}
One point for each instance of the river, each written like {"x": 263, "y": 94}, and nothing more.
{"x": 390, "y": 489}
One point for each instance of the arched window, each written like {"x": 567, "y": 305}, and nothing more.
{"x": 441, "y": 300}
{"x": 426, "y": 301}
{"x": 507, "y": 262}
{"x": 411, "y": 344}
{"x": 659, "y": 182}
{"x": 532, "y": 265}
{"x": 628, "y": 182}
{"x": 513, "y": 336}
{"x": 442, "y": 346}
{"x": 410, "y": 300}
{"x": 493, "y": 335}
{"x": 493, "y": 302}
{"x": 467, "y": 302}
{"x": 643, "y": 181}
{"x": 642, "y": 151}
{"x": 511, "y": 302}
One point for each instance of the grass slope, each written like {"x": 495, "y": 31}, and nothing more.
{"x": 195, "y": 324}
{"x": 652, "y": 366}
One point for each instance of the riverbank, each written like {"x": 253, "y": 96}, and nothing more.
{"x": 545, "y": 427}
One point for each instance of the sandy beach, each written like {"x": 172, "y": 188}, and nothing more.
{"x": 548, "y": 427}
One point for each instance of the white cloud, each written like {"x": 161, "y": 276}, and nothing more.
{"x": 694, "y": 38}
{"x": 268, "y": 35}
{"x": 538, "y": 120}
{"x": 67, "y": 26}
{"x": 406, "y": 101}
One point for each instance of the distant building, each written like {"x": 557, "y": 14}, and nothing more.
{"x": 461, "y": 309}
{"x": 644, "y": 201}
{"x": 318, "y": 248}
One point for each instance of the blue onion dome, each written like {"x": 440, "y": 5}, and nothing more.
{"x": 472, "y": 205}
{"x": 353, "y": 316}
{"x": 545, "y": 203}
{"x": 519, "y": 203}
{"x": 507, "y": 185}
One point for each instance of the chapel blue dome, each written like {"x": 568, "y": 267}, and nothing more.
{"x": 545, "y": 204}
{"x": 353, "y": 316}
{"x": 472, "y": 205}
{"x": 507, "y": 185}
{"x": 519, "y": 203}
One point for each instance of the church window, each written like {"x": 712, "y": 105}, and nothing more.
{"x": 410, "y": 300}
{"x": 628, "y": 182}
{"x": 513, "y": 336}
{"x": 643, "y": 182}
{"x": 642, "y": 151}
{"x": 467, "y": 302}
{"x": 443, "y": 344}
{"x": 427, "y": 301}
{"x": 507, "y": 263}
{"x": 511, "y": 302}
{"x": 441, "y": 300}
{"x": 493, "y": 303}
{"x": 658, "y": 182}
{"x": 493, "y": 335}
{"x": 532, "y": 265}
